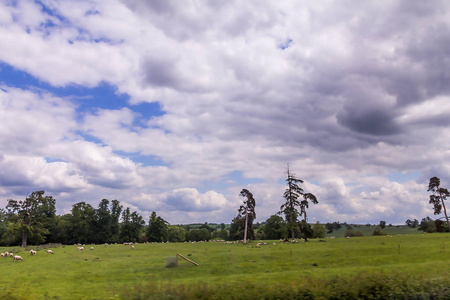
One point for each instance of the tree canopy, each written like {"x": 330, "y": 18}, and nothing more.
{"x": 438, "y": 197}
{"x": 296, "y": 199}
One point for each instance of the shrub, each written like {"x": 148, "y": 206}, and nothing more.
{"x": 353, "y": 233}
{"x": 378, "y": 231}
{"x": 319, "y": 230}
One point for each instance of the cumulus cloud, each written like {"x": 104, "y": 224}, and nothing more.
{"x": 347, "y": 93}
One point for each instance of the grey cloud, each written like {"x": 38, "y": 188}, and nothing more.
{"x": 369, "y": 121}
{"x": 161, "y": 72}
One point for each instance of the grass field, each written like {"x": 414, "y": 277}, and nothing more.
{"x": 117, "y": 271}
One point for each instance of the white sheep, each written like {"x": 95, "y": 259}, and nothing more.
{"x": 50, "y": 251}
{"x": 17, "y": 257}
{"x": 32, "y": 252}
{"x": 132, "y": 247}
{"x": 11, "y": 254}
{"x": 2, "y": 254}
{"x": 92, "y": 248}
{"x": 6, "y": 254}
{"x": 80, "y": 248}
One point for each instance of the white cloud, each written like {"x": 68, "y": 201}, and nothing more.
{"x": 355, "y": 95}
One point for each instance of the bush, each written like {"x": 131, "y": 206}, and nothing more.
{"x": 319, "y": 230}
{"x": 353, "y": 233}
{"x": 378, "y": 231}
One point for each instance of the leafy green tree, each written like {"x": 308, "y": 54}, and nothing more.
{"x": 306, "y": 231}
{"x": 196, "y": 235}
{"x": 441, "y": 226}
{"x": 382, "y": 224}
{"x": 103, "y": 220}
{"x": 157, "y": 229}
{"x": 62, "y": 232}
{"x": 176, "y": 234}
{"x": 379, "y": 231}
{"x": 2, "y": 222}
{"x": 237, "y": 227}
{"x": 260, "y": 234}
{"x": 205, "y": 225}
{"x": 319, "y": 230}
{"x": 247, "y": 212}
{"x": 12, "y": 234}
{"x": 82, "y": 223}
{"x": 289, "y": 209}
{"x": 275, "y": 228}
{"x": 131, "y": 226}
{"x": 427, "y": 225}
{"x": 220, "y": 234}
{"x": 116, "y": 211}
{"x": 34, "y": 217}
{"x": 438, "y": 197}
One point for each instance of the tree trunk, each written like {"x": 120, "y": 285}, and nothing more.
{"x": 24, "y": 239}
{"x": 445, "y": 210}
{"x": 245, "y": 230}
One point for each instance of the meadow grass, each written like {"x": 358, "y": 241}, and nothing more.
{"x": 418, "y": 261}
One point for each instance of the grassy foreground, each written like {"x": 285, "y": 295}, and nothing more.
{"x": 397, "y": 267}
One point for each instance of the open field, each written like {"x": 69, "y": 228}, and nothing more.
{"x": 117, "y": 271}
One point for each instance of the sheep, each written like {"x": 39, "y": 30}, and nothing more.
{"x": 132, "y": 247}
{"x": 17, "y": 257}
{"x": 32, "y": 252}
{"x": 11, "y": 254}
{"x": 50, "y": 251}
{"x": 80, "y": 248}
{"x": 92, "y": 248}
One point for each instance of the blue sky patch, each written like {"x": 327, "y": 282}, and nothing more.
{"x": 145, "y": 160}
{"x": 403, "y": 177}
{"x": 88, "y": 100}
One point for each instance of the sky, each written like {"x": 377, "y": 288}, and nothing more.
{"x": 175, "y": 108}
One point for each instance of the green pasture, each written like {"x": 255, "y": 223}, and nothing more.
{"x": 117, "y": 271}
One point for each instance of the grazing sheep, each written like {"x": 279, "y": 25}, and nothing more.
{"x": 11, "y": 254}
{"x": 2, "y": 254}
{"x": 50, "y": 251}
{"x": 6, "y": 254}
{"x": 132, "y": 247}
{"x": 32, "y": 252}
{"x": 80, "y": 248}
{"x": 17, "y": 257}
{"x": 92, "y": 248}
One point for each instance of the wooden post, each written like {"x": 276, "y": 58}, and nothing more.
{"x": 398, "y": 248}
{"x": 346, "y": 252}
{"x": 187, "y": 259}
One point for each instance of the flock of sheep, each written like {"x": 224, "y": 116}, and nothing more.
{"x": 10, "y": 254}
{"x": 18, "y": 257}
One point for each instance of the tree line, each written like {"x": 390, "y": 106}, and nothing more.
{"x": 34, "y": 221}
